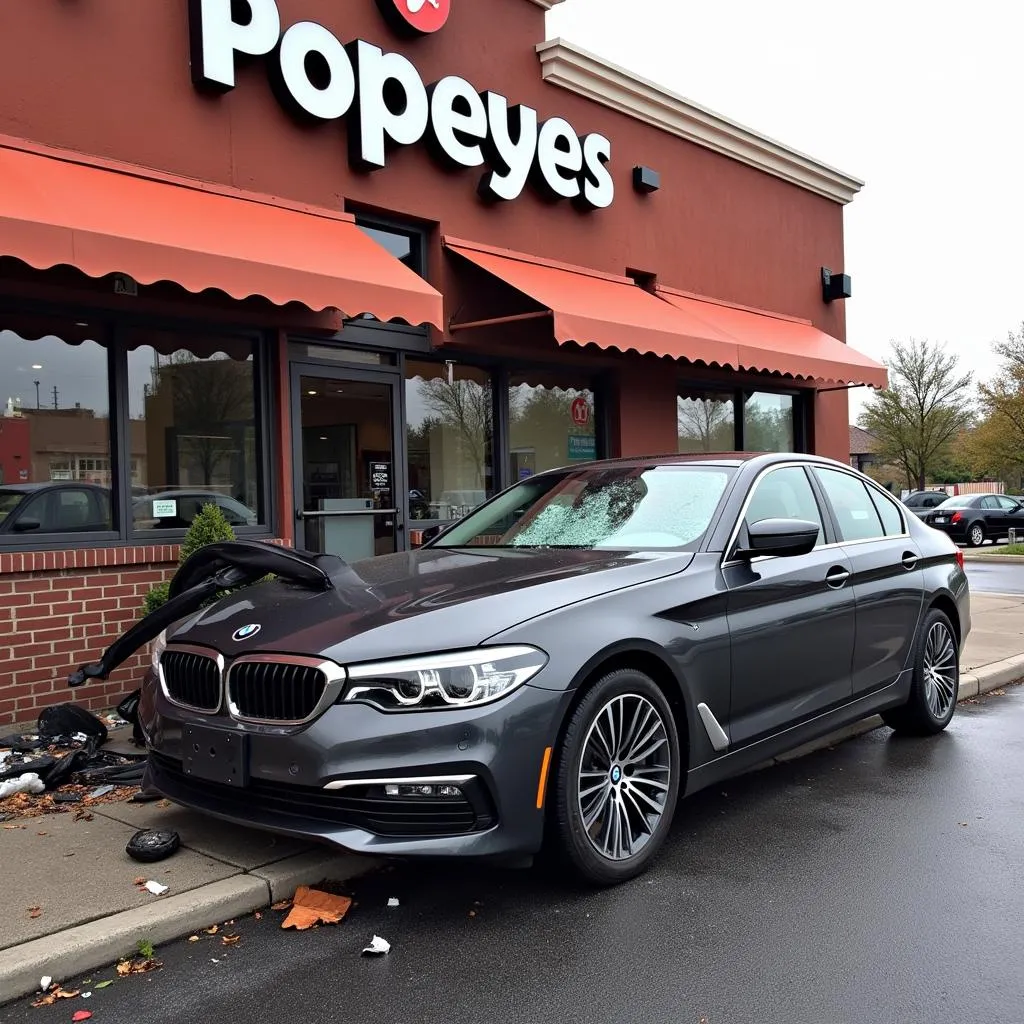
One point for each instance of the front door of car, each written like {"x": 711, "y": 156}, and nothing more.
{"x": 1011, "y": 517}
{"x": 791, "y": 619}
{"x": 888, "y": 582}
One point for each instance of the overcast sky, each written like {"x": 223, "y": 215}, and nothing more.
{"x": 922, "y": 101}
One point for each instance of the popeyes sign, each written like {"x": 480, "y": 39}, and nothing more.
{"x": 387, "y": 105}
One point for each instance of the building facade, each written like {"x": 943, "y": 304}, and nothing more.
{"x": 349, "y": 269}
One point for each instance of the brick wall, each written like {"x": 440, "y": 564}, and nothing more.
{"x": 60, "y": 609}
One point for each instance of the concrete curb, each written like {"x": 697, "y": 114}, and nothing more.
{"x": 998, "y": 559}
{"x": 100, "y": 943}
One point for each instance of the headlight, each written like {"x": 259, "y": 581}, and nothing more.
{"x": 157, "y": 649}
{"x": 438, "y": 681}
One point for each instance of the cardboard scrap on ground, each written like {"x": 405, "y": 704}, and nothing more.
{"x": 311, "y": 907}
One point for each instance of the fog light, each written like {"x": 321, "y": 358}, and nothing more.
{"x": 425, "y": 790}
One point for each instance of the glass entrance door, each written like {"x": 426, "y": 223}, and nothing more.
{"x": 349, "y": 485}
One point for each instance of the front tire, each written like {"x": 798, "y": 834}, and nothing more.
{"x": 975, "y": 535}
{"x": 936, "y": 682}
{"x": 617, "y": 781}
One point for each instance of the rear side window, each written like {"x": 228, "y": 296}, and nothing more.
{"x": 856, "y": 514}
{"x": 892, "y": 518}
{"x": 989, "y": 503}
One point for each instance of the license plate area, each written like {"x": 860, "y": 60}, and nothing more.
{"x": 940, "y": 519}
{"x": 215, "y": 755}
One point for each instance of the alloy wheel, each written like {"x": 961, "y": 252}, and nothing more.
{"x": 977, "y": 536}
{"x": 940, "y": 670}
{"x": 624, "y": 776}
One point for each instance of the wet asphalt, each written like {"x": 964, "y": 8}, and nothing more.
{"x": 879, "y": 881}
{"x": 996, "y": 577}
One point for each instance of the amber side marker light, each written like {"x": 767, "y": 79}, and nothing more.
{"x": 543, "y": 782}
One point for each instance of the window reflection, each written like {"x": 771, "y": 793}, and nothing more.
{"x": 192, "y": 403}
{"x": 54, "y": 427}
{"x": 706, "y": 421}
{"x": 551, "y": 422}
{"x": 449, "y": 438}
{"x": 768, "y": 422}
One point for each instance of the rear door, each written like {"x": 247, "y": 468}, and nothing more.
{"x": 887, "y": 583}
{"x": 791, "y": 620}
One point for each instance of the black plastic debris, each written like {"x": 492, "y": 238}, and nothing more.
{"x": 71, "y": 720}
{"x": 67, "y": 798}
{"x": 149, "y": 845}
{"x": 128, "y": 709}
{"x": 36, "y": 765}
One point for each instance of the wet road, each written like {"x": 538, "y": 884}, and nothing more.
{"x": 876, "y": 882}
{"x": 998, "y": 578}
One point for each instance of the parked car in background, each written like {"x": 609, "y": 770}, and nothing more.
{"x": 922, "y": 502}
{"x": 42, "y": 508}
{"x": 175, "y": 510}
{"x": 973, "y": 519}
{"x": 561, "y": 665}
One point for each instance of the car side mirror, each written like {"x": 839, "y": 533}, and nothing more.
{"x": 431, "y": 533}
{"x": 26, "y": 525}
{"x": 780, "y": 538}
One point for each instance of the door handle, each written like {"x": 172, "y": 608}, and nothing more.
{"x": 836, "y": 577}
{"x": 909, "y": 561}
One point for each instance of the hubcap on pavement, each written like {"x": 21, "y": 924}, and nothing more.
{"x": 940, "y": 675}
{"x": 625, "y": 771}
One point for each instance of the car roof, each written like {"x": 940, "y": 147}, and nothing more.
{"x": 48, "y": 485}
{"x": 725, "y": 459}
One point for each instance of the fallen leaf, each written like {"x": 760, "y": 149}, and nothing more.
{"x": 64, "y": 994}
{"x": 47, "y": 1000}
{"x": 282, "y": 905}
{"x": 103, "y": 984}
{"x": 13, "y": 826}
{"x": 258, "y": 916}
{"x": 963, "y": 824}
{"x": 42, "y": 833}
{"x": 35, "y": 912}
{"x": 139, "y": 881}
{"x": 137, "y": 966}
{"x": 124, "y": 968}
{"x": 79, "y": 1015}
{"x": 311, "y": 907}
{"x": 212, "y": 930}
{"x": 230, "y": 940}
{"x": 193, "y": 938}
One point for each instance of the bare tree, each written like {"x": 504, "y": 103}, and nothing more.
{"x": 465, "y": 407}
{"x": 925, "y": 407}
{"x": 703, "y": 420}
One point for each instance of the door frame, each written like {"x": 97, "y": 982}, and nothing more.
{"x": 389, "y": 376}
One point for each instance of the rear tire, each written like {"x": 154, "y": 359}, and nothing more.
{"x": 936, "y": 682}
{"x": 975, "y": 535}
{"x": 617, "y": 780}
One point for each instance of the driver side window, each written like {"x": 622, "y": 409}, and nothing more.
{"x": 784, "y": 494}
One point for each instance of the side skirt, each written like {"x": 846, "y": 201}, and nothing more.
{"x": 746, "y": 757}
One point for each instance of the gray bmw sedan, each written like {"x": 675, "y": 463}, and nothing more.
{"x": 558, "y": 668}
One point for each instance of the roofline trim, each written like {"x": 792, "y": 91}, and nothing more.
{"x": 569, "y": 67}
{"x": 546, "y": 4}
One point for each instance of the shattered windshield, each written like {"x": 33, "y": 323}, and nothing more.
{"x": 624, "y": 508}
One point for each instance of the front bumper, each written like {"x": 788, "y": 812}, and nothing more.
{"x": 495, "y": 752}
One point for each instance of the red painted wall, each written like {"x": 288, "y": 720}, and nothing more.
{"x": 111, "y": 77}
{"x": 15, "y": 450}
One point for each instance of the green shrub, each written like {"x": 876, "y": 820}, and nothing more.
{"x": 208, "y": 527}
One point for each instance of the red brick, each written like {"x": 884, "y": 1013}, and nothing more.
{"x": 28, "y": 625}
{"x": 7, "y": 709}
{"x": 30, "y": 586}
{"x": 121, "y": 590}
{"x": 14, "y": 665}
{"x": 17, "y": 600}
{"x": 35, "y": 675}
{"x": 72, "y": 608}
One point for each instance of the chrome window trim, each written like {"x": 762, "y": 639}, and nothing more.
{"x": 203, "y": 652}
{"x": 334, "y": 674}
{"x": 423, "y": 780}
{"x": 728, "y": 562}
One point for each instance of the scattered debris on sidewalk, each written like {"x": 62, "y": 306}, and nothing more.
{"x": 156, "y": 888}
{"x": 138, "y": 965}
{"x": 51, "y": 992}
{"x": 311, "y": 907}
{"x": 66, "y": 765}
{"x": 80, "y": 1015}
{"x": 377, "y": 947}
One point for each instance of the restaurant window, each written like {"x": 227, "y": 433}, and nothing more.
{"x": 193, "y": 429}
{"x": 551, "y": 422}
{"x": 769, "y": 422}
{"x": 706, "y": 420}
{"x": 55, "y": 429}
{"x": 449, "y": 438}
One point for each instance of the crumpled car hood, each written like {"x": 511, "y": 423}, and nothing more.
{"x": 416, "y": 602}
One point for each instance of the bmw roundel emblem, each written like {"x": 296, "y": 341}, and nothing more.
{"x": 616, "y": 774}
{"x": 246, "y": 632}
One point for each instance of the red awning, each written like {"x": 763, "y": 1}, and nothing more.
{"x": 56, "y": 209}
{"x": 588, "y": 307}
{"x": 767, "y": 343}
